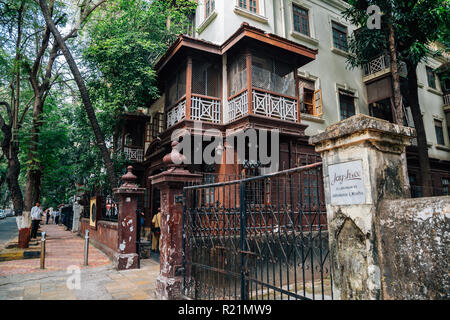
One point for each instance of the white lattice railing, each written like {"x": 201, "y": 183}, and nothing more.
{"x": 134, "y": 154}
{"x": 446, "y": 99}
{"x": 238, "y": 106}
{"x": 274, "y": 106}
{"x": 176, "y": 114}
{"x": 382, "y": 63}
{"x": 205, "y": 109}
{"x": 376, "y": 65}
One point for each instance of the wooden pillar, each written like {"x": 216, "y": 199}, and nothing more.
{"x": 297, "y": 89}
{"x": 188, "y": 87}
{"x": 248, "y": 60}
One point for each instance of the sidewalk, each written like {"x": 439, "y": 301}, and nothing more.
{"x": 23, "y": 280}
{"x": 63, "y": 249}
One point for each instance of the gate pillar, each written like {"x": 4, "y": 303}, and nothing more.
{"x": 126, "y": 257}
{"x": 362, "y": 165}
{"x": 171, "y": 183}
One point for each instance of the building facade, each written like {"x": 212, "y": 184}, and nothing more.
{"x": 219, "y": 76}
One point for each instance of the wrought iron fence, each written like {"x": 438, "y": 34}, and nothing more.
{"x": 110, "y": 208}
{"x": 263, "y": 237}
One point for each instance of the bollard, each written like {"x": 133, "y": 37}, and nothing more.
{"x": 43, "y": 250}
{"x": 86, "y": 247}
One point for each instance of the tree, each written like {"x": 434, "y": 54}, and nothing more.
{"x": 100, "y": 141}
{"x": 123, "y": 42}
{"x": 413, "y": 26}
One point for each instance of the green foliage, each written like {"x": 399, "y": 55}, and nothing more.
{"x": 124, "y": 40}
{"x": 417, "y": 24}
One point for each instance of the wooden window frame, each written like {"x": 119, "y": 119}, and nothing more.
{"x": 210, "y": 7}
{"x": 431, "y": 77}
{"x": 247, "y": 5}
{"x": 344, "y": 94}
{"x": 300, "y": 16}
{"x": 439, "y": 135}
{"x": 338, "y": 28}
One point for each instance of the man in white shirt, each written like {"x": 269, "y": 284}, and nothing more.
{"x": 35, "y": 219}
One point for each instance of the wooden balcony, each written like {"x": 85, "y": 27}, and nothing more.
{"x": 446, "y": 98}
{"x": 135, "y": 154}
{"x": 202, "y": 108}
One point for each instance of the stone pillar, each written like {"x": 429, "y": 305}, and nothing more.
{"x": 171, "y": 183}
{"x": 76, "y": 216}
{"x": 362, "y": 165}
{"x": 127, "y": 193}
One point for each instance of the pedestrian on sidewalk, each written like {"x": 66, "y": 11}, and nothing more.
{"x": 156, "y": 230}
{"x": 47, "y": 215}
{"x": 35, "y": 219}
{"x": 54, "y": 216}
{"x": 57, "y": 214}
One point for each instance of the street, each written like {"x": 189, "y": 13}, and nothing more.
{"x": 8, "y": 230}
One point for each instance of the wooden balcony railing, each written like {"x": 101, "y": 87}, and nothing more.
{"x": 238, "y": 105}
{"x": 275, "y": 105}
{"x": 134, "y": 154}
{"x": 203, "y": 108}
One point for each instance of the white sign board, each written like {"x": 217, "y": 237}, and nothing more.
{"x": 347, "y": 183}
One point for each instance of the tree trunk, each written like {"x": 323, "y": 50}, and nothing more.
{"x": 422, "y": 147}
{"x": 84, "y": 94}
{"x": 34, "y": 172}
{"x": 398, "y": 101}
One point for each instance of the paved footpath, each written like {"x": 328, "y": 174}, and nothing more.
{"x": 23, "y": 280}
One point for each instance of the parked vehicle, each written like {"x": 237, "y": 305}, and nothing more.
{"x": 2, "y": 214}
{"x": 9, "y": 212}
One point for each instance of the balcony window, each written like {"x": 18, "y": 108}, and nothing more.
{"x": 237, "y": 75}
{"x": 347, "y": 104}
{"x": 157, "y": 124}
{"x": 209, "y": 7}
{"x": 250, "y": 5}
{"x": 272, "y": 75}
{"x": 301, "y": 20}
{"x": 176, "y": 87}
{"x": 339, "y": 36}
{"x": 206, "y": 79}
{"x": 439, "y": 132}
{"x": 431, "y": 78}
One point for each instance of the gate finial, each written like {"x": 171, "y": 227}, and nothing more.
{"x": 174, "y": 159}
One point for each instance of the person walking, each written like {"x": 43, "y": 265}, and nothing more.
{"x": 47, "y": 215}
{"x": 156, "y": 230}
{"x": 35, "y": 219}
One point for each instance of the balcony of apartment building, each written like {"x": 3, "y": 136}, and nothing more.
{"x": 250, "y": 78}
{"x": 133, "y": 136}
{"x": 380, "y": 66}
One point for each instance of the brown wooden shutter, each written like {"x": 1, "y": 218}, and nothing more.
{"x": 317, "y": 103}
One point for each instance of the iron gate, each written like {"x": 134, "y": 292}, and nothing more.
{"x": 262, "y": 237}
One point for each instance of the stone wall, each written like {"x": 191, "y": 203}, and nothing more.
{"x": 105, "y": 237}
{"x": 414, "y": 241}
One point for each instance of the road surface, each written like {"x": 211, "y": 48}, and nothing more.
{"x": 8, "y": 229}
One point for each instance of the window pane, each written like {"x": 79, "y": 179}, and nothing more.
{"x": 301, "y": 20}
{"x": 439, "y": 132}
{"x": 431, "y": 78}
{"x": 237, "y": 75}
{"x": 339, "y": 36}
{"x": 347, "y": 106}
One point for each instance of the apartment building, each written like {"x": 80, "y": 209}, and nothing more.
{"x": 218, "y": 76}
